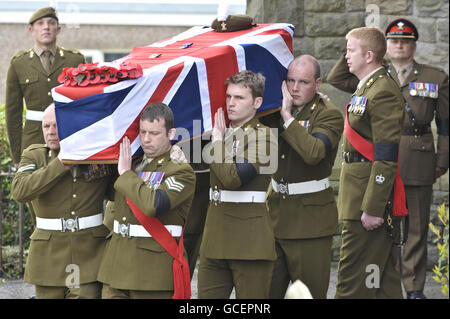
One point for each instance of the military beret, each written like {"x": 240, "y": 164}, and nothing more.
{"x": 42, "y": 13}
{"x": 234, "y": 22}
{"x": 402, "y": 29}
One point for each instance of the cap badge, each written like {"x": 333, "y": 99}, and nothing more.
{"x": 400, "y": 25}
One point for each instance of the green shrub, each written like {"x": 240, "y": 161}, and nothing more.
{"x": 10, "y": 209}
{"x": 441, "y": 269}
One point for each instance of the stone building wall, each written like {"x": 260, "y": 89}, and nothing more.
{"x": 320, "y": 29}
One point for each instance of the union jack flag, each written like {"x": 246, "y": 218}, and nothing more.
{"x": 186, "y": 72}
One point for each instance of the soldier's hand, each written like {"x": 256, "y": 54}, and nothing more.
{"x": 219, "y": 126}
{"x": 66, "y": 166}
{"x": 177, "y": 155}
{"x": 124, "y": 163}
{"x": 286, "y": 106}
{"x": 370, "y": 222}
{"x": 439, "y": 172}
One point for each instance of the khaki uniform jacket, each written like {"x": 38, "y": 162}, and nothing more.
{"x": 366, "y": 186}
{"x": 418, "y": 157}
{"x": 240, "y": 230}
{"x": 27, "y": 80}
{"x": 55, "y": 193}
{"x": 141, "y": 263}
{"x": 307, "y": 150}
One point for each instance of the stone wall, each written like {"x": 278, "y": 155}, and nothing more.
{"x": 320, "y": 29}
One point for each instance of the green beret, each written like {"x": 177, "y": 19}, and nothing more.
{"x": 43, "y": 12}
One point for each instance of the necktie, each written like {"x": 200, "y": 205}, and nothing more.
{"x": 46, "y": 62}
{"x": 402, "y": 76}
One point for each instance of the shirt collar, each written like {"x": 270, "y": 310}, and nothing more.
{"x": 38, "y": 50}
{"x": 364, "y": 80}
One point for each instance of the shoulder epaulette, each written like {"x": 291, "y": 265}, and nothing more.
{"x": 75, "y": 51}
{"x": 37, "y": 146}
{"x": 21, "y": 53}
{"x": 432, "y": 67}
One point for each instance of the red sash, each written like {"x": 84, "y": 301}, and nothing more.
{"x": 181, "y": 274}
{"x": 367, "y": 150}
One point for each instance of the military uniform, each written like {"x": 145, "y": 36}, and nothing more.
{"x": 425, "y": 90}
{"x": 62, "y": 200}
{"x": 301, "y": 201}
{"x": 135, "y": 265}
{"x": 376, "y": 113}
{"x": 27, "y": 80}
{"x": 238, "y": 245}
{"x": 197, "y": 216}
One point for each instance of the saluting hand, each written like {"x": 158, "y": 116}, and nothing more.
{"x": 220, "y": 126}
{"x": 124, "y": 163}
{"x": 286, "y": 106}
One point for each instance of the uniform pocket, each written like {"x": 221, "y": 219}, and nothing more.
{"x": 322, "y": 198}
{"x": 29, "y": 78}
{"x": 245, "y": 211}
{"x": 40, "y": 234}
{"x": 149, "y": 244}
{"x": 424, "y": 143}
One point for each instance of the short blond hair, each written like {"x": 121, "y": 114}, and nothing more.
{"x": 372, "y": 39}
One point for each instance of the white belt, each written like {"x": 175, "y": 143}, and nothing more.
{"x": 130, "y": 230}
{"x": 34, "y": 115}
{"x": 301, "y": 188}
{"x": 77, "y": 223}
{"x": 220, "y": 195}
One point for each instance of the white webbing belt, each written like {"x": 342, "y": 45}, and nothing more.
{"x": 74, "y": 224}
{"x": 130, "y": 230}
{"x": 301, "y": 188}
{"x": 219, "y": 195}
{"x": 34, "y": 115}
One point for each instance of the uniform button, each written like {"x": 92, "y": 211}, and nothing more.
{"x": 284, "y": 197}
{"x": 74, "y": 195}
{"x": 49, "y": 79}
{"x": 72, "y": 213}
{"x": 282, "y": 156}
{"x": 27, "y": 81}
{"x": 49, "y": 93}
{"x": 282, "y": 180}
{"x": 124, "y": 219}
{"x": 74, "y": 180}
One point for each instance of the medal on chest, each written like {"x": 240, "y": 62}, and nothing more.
{"x": 306, "y": 124}
{"x": 152, "y": 179}
{"x": 424, "y": 89}
{"x": 357, "y": 105}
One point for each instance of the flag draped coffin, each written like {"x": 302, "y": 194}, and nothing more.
{"x": 186, "y": 72}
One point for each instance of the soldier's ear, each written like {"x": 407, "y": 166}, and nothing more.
{"x": 171, "y": 133}
{"x": 257, "y": 102}
{"x": 318, "y": 84}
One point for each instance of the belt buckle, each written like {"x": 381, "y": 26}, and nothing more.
{"x": 124, "y": 230}
{"x": 70, "y": 224}
{"x": 283, "y": 188}
{"x": 216, "y": 196}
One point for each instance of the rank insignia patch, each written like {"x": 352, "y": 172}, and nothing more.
{"x": 173, "y": 185}
{"x": 29, "y": 167}
{"x": 152, "y": 179}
